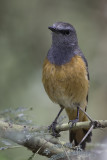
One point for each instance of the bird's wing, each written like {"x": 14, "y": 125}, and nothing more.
{"x": 79, "y": 52}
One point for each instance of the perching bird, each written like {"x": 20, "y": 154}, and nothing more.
{"x": 66, "y": 77}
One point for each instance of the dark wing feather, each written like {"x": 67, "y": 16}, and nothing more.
{"x": 79, "y": 52}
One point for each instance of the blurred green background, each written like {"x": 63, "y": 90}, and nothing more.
{"x": 24, "y": 42}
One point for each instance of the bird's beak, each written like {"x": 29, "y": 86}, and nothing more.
{"x": 53, "y": 29}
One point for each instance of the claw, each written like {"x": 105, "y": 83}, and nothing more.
{"x": 53, "y": 125}
{"x": 52, "y": 128}
{"x": 73, "y": 122}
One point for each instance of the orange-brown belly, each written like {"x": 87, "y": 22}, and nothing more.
{"x": 66, "y": 84}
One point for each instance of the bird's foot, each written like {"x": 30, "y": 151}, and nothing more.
{"x": 52, "y": 128}
{"x": 73, "y": 122}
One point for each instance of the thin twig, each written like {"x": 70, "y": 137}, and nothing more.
{"x": 86, "y": 114}
{"x": 64, "y": 150}
{"x": 91, "y": 128}
{"x": 85, "y": 125}
{"x": 9, "y": 147}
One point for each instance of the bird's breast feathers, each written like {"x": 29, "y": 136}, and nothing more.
{"x": 66, "y": 84}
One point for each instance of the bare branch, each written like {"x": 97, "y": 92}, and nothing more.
{"x": 85, "y": 125}
{"x": 38, "y": 139}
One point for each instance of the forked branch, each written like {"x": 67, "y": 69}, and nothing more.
{"x": 39, "y": 140}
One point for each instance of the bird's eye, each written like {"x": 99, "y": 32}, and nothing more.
{"x": 65, "y": 32}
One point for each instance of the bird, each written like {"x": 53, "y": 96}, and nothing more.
{"x": 65, "y": 77}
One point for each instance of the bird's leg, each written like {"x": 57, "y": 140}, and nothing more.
{"x": 77, "y": 118}
{"x": 54, "y": 123}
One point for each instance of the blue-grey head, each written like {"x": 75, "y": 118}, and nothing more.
{"x": 63, "y": 34}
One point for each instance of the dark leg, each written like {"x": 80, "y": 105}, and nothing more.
{"x": 77, "y": 118}
{"x": 53, "y": 125}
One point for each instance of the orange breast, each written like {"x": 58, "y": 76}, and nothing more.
{"x": 66, "y": 84}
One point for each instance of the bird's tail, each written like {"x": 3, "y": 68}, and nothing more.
{"x": 78, "y": 135}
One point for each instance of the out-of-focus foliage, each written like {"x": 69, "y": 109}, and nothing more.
{"x": 24, "y": 42}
